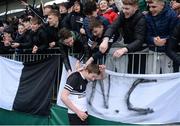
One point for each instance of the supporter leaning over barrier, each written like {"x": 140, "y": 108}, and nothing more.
{"x": 39, "y": 36}
{"x": 173, "y": 47}
{"x": 98, "y": 30}
{"x": 54, "y": 26}
{"x": 72, "y": 42}
{"x": 161, "y": 21}
{"x": 133, "y": 25}
{"x": 141, "y": 4}
{"x": 51, "y": 22}
{"x": 23, "y": 39}
{"x": 5, "y": 44}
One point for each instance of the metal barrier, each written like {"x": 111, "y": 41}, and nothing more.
{"x": 140, "y": 63}
{"x": 136, "y": 63}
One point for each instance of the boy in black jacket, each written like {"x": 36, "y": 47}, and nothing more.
{"x": 39, "y": 36}
{"x": 73, "y": 43}
{"x": 133, "y": 25}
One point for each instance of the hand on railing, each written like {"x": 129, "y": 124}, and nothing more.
{"x": 52, "y": 44}
{"x": 35, "y": 49}
{"x": 119, "y": 52}
{"x": 15, "y": 45}
{"x": 159, "y": 41}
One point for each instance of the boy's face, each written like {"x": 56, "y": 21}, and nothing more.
{"x": 21, "y": 29}
{"x": 98, "y": 31}
{"x": 91, "y": 76}
{"x": 77, "y": 8}
{"x": 7, "y": 39}
{"x": 62, "y": 9}
{"x": 69, "y": 41}
{"x": 46, "y": 11}
{"x": 27, "y": 25}
{"x": 53, "y": 20}
{"x": 129, "y": 10}
{"x": 34, "y": 26}
{"x": 155, "y": 8}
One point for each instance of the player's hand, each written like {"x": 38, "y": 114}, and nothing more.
{"x": 82, "y": 115}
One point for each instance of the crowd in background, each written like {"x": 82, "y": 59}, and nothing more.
{"x": 94, "y": 28}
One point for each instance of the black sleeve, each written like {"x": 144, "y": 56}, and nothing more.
{"x": 86, "y": 50}
{"x": 139, "y": 35}
{"x": 66, "y": 21}
{"x": 18, "y": 38}
{"x": 97, "y": 55}
{"x": 41, "y": 10}
{"x": 4, "y": 49}
{"x": 72, "y": 81}
{"x": 64, "y": 54}
{"x": 44, "y": 40}
{"x": 173, "y": 44}
{"x": 27, "y": 42}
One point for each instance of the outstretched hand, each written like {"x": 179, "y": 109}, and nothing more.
{"x": 79, "y": 67}
{"x": 102, "y": 67}
{"x": 102, "y": 70}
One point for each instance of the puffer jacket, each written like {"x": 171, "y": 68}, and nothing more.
{"x": 173, "y": 45}
{"x": 133, "y": 30}
{"x": 161, "y": 25}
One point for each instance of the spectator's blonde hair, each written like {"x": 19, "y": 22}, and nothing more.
{"x": 130, "y": 2}
{"x": 54, "y": 13}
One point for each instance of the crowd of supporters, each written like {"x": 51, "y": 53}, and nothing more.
{"x": 94, "y": 28}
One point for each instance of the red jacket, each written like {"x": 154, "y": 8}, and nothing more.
{"x": 110, "y": 15}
